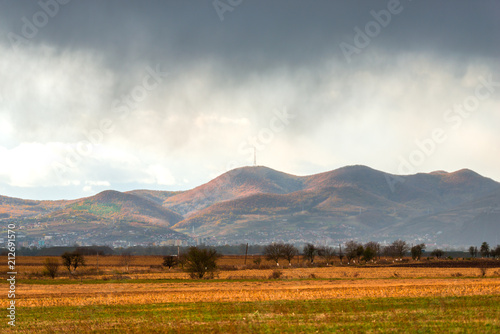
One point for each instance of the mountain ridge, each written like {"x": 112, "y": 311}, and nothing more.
{"x": 260, "y": 203}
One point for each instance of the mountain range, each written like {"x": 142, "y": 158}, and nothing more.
{"x": 260, "y": 205}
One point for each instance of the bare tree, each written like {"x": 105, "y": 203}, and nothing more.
{"x": 289, "y": 252}
{"x": 51, "y": 267}
{"x": 351, "y": 250}
{"x": 389, "y": 251}
{"x": 327, "y": 253}
{"x": 181, "y": 259}
{"x": 341, "y": 254}
{"x": 126, "y": 259}
{"x": 201, "y": 263}
{"x": 400, "y": 248}
{"x": 67, "y": 260}
{"x": 310, "y": 252}
{"x": 73, "y": 260}
{"x": 274, "y": 252}
{"x": 169, "y": 261}
{"x": 375, "y": 247}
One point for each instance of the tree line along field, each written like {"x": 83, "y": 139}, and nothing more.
{"x": 437, "y": 296}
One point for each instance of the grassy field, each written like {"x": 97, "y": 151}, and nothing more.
{"x": 474, "y": 314}
{"x": 304, "y": 299}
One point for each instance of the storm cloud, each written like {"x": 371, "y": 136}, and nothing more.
{"x": 168, "y": 94}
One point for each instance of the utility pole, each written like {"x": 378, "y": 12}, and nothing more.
{"x": 246, "y": 252}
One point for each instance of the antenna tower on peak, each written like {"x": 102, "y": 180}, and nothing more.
{"x": 254, "y": 156}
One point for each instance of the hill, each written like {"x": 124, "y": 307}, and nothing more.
{"x": 156, "y": 196}
{"x": 115, "y": 205}
{"x": 234, "y": 184}
{"x": 260, "y": 205}
{"x": 106, "y": 218}
{"x": 472, "y": 222}
{"x": 353, "y": 201}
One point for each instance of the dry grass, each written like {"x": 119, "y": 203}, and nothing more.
{"x": 90, "y": 302}
{"x": 233, "y": 267}
{"x": 208, "y": 291}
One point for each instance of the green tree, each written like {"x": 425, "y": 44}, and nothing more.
{"x": 495, "y": 252}
{"x": 201, "y": 263}
{"x": 359, "y": 252}
{"x": 438, "y": 253}
{"x": 485, "y": 249}
{"x": 310, "y": 252}
{"x": 368, "y": 254}
{"x": 416, "y": 251}
{"x": 471, "y": 251}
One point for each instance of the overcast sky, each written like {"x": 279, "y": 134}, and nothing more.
{"x": 166, "y": 95}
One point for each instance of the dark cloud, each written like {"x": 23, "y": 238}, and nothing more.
{"x": 227, "y": 77}
{"x": 258, "y": 34}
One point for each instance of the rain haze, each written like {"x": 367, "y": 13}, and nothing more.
{"x": 167, "y": 95}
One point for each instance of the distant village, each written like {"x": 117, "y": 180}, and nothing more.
{"x": 42, "y": 239}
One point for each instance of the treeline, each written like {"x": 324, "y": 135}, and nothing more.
{"x": 354, "y": 251}
{"x": 351, "y": 250}
{"x": 135, "y": 250}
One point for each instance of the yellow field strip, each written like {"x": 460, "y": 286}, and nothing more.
{"x": 31, "y": 295}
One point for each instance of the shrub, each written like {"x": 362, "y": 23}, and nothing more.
{"x": 169, "y": 261}
{"x": 437, "y": 253}
{"x": 201, "y": 263}
{"x": 51, "y": 267}
{"x": 276, "y": 274}
{"x": 73, "y": 260}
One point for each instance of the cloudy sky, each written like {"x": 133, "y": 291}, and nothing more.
{"x": 166, "y": 95}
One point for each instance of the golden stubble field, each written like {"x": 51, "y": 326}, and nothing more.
{"x": 34, "y": 295}
{"x": 146, "y": 282}
{"x": 233, "y": 267}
